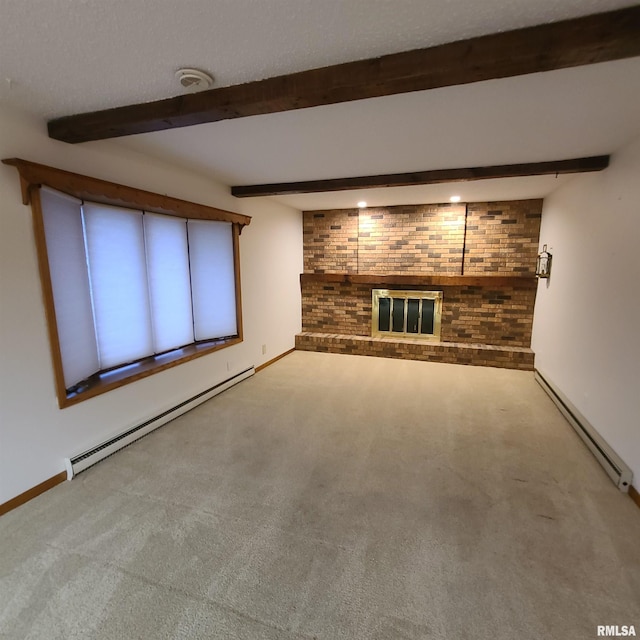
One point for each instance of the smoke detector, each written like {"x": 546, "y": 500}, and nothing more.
{"x": 194, "y": 80}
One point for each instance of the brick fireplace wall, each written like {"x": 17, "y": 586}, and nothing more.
{"x": 483, "y": 239}
{"x": 502, "y": 238}
{"x": 469, "y": 314}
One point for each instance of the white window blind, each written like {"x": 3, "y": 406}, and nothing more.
{"x": 118, "y": 277}
{"x": 169, "y": 282}
{"x": 62, "y": 216}
{"x": 212, "y": 279}
{"x": 128, "y": 285}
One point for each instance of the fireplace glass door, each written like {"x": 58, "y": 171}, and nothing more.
{"x": 410, "y": 314}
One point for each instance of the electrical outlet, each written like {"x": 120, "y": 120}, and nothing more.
{"x": 264, "y": 349}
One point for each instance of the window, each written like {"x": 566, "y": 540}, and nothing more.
{"x": 133, "y": 288}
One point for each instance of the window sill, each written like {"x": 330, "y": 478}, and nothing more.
{"x": 102, "y": 382}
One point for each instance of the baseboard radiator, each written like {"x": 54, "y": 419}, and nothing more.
{"x": 611, "y": 462}
{"x": 88, "y": 458}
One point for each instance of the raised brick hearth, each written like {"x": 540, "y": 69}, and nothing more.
{"x": 451, "y": 352}
{"x": 481, "y": 257}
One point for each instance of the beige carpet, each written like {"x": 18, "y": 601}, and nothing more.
{"x": 334, "y": 497}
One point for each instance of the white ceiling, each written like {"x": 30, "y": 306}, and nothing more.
{"x": 59, "y": 57}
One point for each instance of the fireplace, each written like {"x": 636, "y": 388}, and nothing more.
{"x": 474, "y": 265}
{"x": 409, "y": 314}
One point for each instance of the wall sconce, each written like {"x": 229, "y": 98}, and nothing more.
{"x": 543, "y": 263}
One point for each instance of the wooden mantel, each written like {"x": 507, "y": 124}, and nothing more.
{"x": 526, "y": 282}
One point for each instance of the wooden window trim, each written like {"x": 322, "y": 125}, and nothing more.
{"x": 103, "y": 192}
{"x": 100, "y": 383}
{"x": 32, "y": 177}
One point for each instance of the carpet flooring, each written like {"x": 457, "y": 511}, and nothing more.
{"x": 331, "y": 497}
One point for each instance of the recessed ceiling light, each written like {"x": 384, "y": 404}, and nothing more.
{"x": 455, "y": 198}
{"x": 362, "y": 204}
{"x": 194, "y": 80}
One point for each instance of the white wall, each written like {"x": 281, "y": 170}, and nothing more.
{"x": 36, "y": 436}
{"x": 586, "y": 333}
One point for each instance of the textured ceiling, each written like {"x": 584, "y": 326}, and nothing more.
{"x": 59, "y": 57}
{"x": 68, "y": 56}
{"x": 543, "y": 116}
{"x": 563, "y": 114}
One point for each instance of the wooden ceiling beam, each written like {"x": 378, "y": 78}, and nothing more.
{"x": 596, "y": 38}
{"x": 437, "y": 176}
